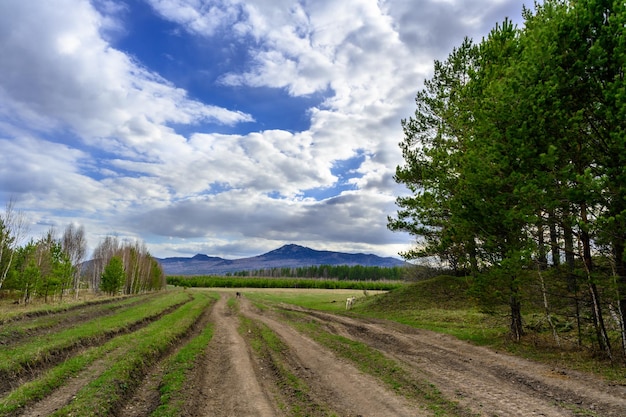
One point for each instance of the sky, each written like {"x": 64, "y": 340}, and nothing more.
{"x": 221, "y": 127}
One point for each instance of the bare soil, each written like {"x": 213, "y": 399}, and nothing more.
{"x": 236, "y": 378}
{"x": 485, "y": 382}
{"x": 489, "y": 383}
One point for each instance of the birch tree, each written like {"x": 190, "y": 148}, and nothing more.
{"x": 13, "y": 229}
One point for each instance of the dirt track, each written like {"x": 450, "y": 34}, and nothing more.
{"x": 237, "y": 382}
{"x": 300, "y": 377}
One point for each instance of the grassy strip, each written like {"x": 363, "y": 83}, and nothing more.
{"x": 176, "y": 373}
{"x": 10, "y": 312}
{"x": 16, "y": 358}
{"x": 21, "y": 328}
{"x": 269, "y": 346}
{"x": 54, "y": 378}
{"x": 39, "y": 388}
{"x": 104, "y": 394}
{"x": 373, "y": 362}
{"x": 308, "y": 283}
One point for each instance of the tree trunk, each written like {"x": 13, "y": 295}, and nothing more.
{"x": 517, "y": 330}
{"x": 554, "y": 240}
{"x": 572, "y": 281}
{"x": 620, "y": 272}
{"x": 546, "y": 307}
{"x": 542, "y": 258}
{"x": 603, "y": 338}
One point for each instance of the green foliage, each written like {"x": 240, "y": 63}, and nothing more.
{"x": 340, "y": 272}
{"x": 519, "y": 140}
{"x": 51, "y": 268}
{"x": 234, "y": 282}
{"x": 113, "y": 276}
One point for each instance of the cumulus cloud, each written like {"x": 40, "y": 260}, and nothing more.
{"x": 350, "y": 217}
{"x": 90, "y": 133}
{"x": 58, "y": 68}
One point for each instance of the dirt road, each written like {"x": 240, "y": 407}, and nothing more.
{"x": 264, "y": 363}
{"x": 237, "y": 381}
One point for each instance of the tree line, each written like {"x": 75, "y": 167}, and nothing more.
{"x": 51, "y": 267}
{"x": 515, "y": 163}
{"x": 340, "y": 272}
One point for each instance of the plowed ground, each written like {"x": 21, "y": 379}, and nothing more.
{"x": 260, "y": 363}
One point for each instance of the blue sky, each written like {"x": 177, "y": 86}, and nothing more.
{"x": 227, "y": 128}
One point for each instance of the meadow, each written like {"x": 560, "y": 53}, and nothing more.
{"x": 95, "y": 355}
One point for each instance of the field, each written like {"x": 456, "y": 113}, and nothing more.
{"x": 275, "y": 352}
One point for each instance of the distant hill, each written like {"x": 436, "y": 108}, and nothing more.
{"x": 288, "y": 256}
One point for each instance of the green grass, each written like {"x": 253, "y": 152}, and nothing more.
{"x": 17, "y": 358}
{"x": 101, "y": 396}
{"x": 177, "y": 369}
{"x": 442, "y": 304}
{"x": 375, "y": 363}
{"x": 10, "y": 312}
{"x": 49, "y": 319}
{"x": 54, "y": 378}
{"x": 257, "y": 282}
{"x": 268, "y": 345}
{"x": 331, "y": 301}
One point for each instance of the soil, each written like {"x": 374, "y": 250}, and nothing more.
{"x": 236, "y": 379}
{"x": 485, "y": 382}
{"x": 36, "y": 368}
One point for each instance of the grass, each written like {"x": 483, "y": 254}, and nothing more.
{"x": 177, "y": 370}
{"x": 54, "y": 378}
{"x": 325, "y": 300}
{"x": 375, "y": 363}
{"x": 10, "y": 312}
{"x": 101, "y": 396}
{"x": 48, "y": 319}
{"x": 257, "y": 282}
{"x": 17, "y": 358}
{"x": 269, "y": 346}
{"x": 442, "y": 304}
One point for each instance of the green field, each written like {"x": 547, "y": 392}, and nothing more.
{"x": 44, "y": 348}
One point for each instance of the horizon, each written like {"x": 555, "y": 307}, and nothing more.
{"x": 273, "y": 250}
{"x": 219, "y": 127}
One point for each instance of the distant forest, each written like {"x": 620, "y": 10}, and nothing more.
{"x": 340, "y": 272}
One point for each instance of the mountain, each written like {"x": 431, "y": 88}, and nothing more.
{"x": 287, "y": 256}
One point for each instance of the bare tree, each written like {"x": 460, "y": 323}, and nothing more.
{"x": 74, "y": 243}
{"x": 103, "y": 253}
{"x": 13, "y": 228}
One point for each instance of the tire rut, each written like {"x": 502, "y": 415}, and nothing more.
{"x": 346, "y": 389}
{"x": 231, "y": 381}
{"x": 146, "y": 397}
{"x": 488, "y": 382}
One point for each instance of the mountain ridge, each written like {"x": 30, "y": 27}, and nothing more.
{"x": 287, "y": 256}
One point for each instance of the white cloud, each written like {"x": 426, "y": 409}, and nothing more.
{"x": 197, "y": 16}
{"x": 57, "y": 67}
{"x": 89, "y": 130}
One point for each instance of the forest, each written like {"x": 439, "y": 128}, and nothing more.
{"x": 340, "y": 272}
{"x": 515, "y": 165}
{"x": 51, "y": 267}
